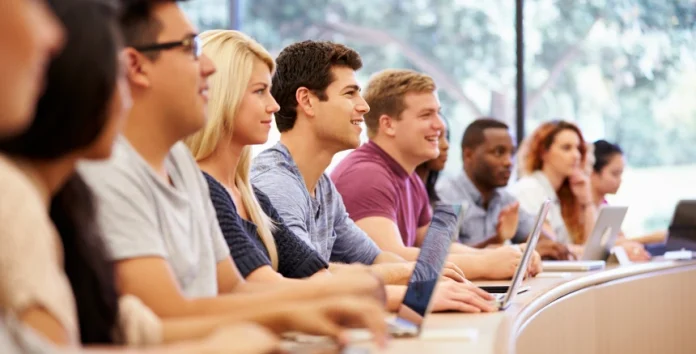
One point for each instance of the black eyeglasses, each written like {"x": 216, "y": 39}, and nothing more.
{"x": 191, "y": 43}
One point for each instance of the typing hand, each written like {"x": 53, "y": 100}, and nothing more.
{"x": 502, "y": 262}
{"x": 635, "y": 251}
{"x": 462, "y": 297}
{"x": 549, "y": 249}
{"x": 507, "y": 221}
{"x": 241, "y": 338}
{"x": 452, "y": 272}
{"x": 334, "y": 315}
{"x": 534, "y": 267}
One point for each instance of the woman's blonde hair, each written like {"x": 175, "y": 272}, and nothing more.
{"x": 234, "y": 54}
{"x": 529, "y": 160}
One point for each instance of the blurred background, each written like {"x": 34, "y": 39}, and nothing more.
{"x": 623, "y": 70}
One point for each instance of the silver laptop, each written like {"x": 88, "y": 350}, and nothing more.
{"x": 431, "y": 259}
{"x": 598, "y": 246}
{"x": 503, "y": 301}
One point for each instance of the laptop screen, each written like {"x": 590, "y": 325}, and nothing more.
{"x": 433, "y": 252}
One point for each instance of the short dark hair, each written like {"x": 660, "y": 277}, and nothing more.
{"x": 138, "y": 26}
{"x": 307, "y": 64}
{"x": 474, "y": 133}
{"x": 71, "y": 115}
{"x": 604, "y": 151}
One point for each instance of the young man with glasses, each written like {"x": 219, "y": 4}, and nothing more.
{"x": 153, "y": 203}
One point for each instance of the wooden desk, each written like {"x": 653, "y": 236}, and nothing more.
{"x": 641, "y": 308}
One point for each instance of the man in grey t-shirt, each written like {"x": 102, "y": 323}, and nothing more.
{"x": 153, "y": 206}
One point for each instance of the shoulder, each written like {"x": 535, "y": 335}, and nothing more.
{"x": 524, "y": 185}
{"x": 271, "y": 160}
{"x": 124, "y": 169}
{"x": 21, "y": 200}
{"x": 14, "y": 182}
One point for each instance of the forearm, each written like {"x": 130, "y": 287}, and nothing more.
{"x": 394, "y": 273}
{"x": 471, "y": 264}
{"x": 395, "y": 296}
{"x": 493, "y": 240}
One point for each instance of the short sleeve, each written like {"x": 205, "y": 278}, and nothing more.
{"x": 367, "y": 192}
{"x": 125, "y": 209}
{"x": 352, "y": 244}
{"x": 425, "y": 216}
{"x": 296, "y": 258}
{"x": 288, "y": 199}
{"x": 31, "y": 273}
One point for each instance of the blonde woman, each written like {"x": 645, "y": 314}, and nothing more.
{"x": 240, "y": 109}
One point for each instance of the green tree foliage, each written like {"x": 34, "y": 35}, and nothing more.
{"x": 617, "y": 67}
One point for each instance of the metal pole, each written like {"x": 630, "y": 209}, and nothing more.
{"x": 519, "y": 31}
{"x": 235, "y": 14}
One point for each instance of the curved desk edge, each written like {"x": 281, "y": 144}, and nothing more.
{"x": 509, "y": 330}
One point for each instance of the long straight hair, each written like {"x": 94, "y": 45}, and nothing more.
{"x": 234, "y": 54}
{"x": 530, "y": 160}
{"x": 70, "y": 116}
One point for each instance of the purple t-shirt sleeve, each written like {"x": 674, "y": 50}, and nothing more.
{"x": 367, "y": 192}
{"x": 426, "y": 215}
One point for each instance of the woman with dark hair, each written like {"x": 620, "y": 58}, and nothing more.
{"x": 54, "y": 273}
{"x": 54, "y": 276}
{"x": 429, "y": 171}
{"x": 607, "y": 172}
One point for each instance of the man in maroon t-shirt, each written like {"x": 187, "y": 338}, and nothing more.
{"x": 378, "y": 183}
{"x": 373, "y": 184}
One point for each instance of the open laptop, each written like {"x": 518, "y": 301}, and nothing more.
{"x": 503, "y": 300}
{"x": 598, "y": 245}
{"x": 421, "y": 286}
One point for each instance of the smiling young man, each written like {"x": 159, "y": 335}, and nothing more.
{"x": 320, "y": 114}
{"x": 154, "y": 208}
{"x": 379, "y": 185}
{"x": 493, "y": 214}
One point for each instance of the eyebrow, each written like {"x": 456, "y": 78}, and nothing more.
{"x": 431, "y": 110}
{"x": 352, "y": 87}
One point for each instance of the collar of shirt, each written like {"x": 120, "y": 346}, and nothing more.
{"x": 468, "y": 186}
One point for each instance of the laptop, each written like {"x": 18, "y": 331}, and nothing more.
{"x": 503, "y": 300}
{"x": 598, "y": 245}
{"x": 421, "y": 286}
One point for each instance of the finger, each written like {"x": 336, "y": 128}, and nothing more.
{"x": 458, "y": 270}
{"x": 476, "y": 302}
{"x": 451, "y": 274}
{"x": 480, "y": 292}
{"x": 372, "y": 316}
{"x": 461, "y": 307}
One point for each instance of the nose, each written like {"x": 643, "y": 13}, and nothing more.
{"x": 444, "y": 144}
{"x": 273, "y": 106}
{"x": 52, "y": 33}
{"x": 507, "y": 160}
{"x": 362, "y": 107}
{"x": 207, "y": 66}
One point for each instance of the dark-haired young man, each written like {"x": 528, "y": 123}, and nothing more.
{"x": 493, "y": 215}
{"x": 154, "y": 208}
{"x": 321, "y": 111}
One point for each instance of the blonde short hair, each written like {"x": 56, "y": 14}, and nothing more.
{"x": 233, "y": 54}
{"x": 386, "y": 90}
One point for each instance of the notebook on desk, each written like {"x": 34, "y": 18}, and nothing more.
{"x": 572, "y": 266}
